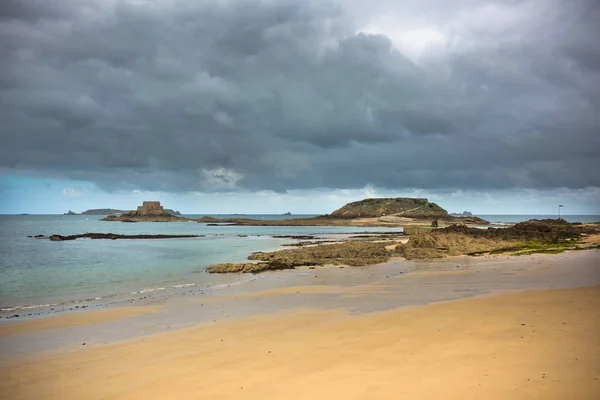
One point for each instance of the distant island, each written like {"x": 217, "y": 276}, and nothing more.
{"x": 463, "y": 214}
{"x": 399, "y": 207}
{"x": 389, "y": 212}
{"x": 369, "y": 212}
{"x": 149, "y": 211}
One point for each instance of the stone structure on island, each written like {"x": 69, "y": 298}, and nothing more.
{"x": 149, "y": 211}
{"x": 150, "y": 208}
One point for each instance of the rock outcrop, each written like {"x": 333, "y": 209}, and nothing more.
{"x": 353, "y": 253}
{"x": 533, "y": 236}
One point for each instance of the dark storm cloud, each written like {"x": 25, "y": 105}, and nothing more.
{"x": 180, "y": 96}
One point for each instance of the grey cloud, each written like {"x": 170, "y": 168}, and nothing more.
{"x": 181, "y": 96}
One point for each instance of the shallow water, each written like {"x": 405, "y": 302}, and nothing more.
{"x": 36, "y": 272}
{"x": 39, "y": 272}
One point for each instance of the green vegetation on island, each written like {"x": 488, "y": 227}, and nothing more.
{"x": 400, "y": 207}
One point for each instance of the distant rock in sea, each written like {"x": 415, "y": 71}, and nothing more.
{"x": 287, "y": 213}
{"x": 463, "y": 214}
{"x": 70, "y": 213}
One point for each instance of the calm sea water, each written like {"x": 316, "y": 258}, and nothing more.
{"x": 37, "y": 271}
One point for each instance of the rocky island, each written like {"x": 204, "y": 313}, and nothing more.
{"x": 149, "y": 211}
{"x": 390, "y": 212}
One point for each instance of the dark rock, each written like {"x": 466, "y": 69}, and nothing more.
{"x": 300, "y": 237}
{"x": 113, "y": 236}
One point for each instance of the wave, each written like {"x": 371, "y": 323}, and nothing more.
{"x": 27, "y": 307}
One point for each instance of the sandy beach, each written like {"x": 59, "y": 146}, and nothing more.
{"x": 493, "y": 328}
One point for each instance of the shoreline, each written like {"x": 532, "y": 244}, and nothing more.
{"x": 179, "y": 289}
{"x": 359, "y": 290}
{"x": 36, "y": 306}
{"x": 520, "y": 344}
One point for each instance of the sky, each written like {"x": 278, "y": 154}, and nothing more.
{"x": 238, "y": 106}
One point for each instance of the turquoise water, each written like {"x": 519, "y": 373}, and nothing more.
{"x": 38, "y": 271}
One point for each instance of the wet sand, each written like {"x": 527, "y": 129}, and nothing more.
{"x": 74, "y": 319}
{"x": 351, "y": 333}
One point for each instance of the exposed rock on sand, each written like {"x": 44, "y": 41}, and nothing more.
{"x": 526, "y": 237}
{"x": 350, "y": 253}
{"x": 534, "y": 229}
{"x": 535, "y": 236}
{"x": 439, "y": 244}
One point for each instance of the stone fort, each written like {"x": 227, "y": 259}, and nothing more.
{"x": 150, "y": 208}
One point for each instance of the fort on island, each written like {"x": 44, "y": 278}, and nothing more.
{"x": 150, "y": 208}
{"x": 149, "y": 211}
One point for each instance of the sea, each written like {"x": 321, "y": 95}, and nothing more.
{"x": 40, "y": 274}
